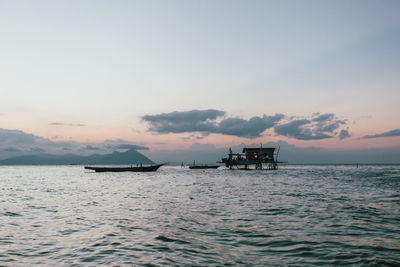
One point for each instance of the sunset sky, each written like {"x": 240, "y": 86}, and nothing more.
{"x": 168, "y": 74}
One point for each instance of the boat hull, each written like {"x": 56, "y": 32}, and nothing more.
{"x": 204, "y": 167}
{"x": 151, "y": 168}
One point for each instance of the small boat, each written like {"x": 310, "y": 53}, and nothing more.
{"x": 194, "y": 166}
{"x": 203, "y": 167}
{"x": 151, "y": 168}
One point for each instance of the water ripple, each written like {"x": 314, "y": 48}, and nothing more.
{"x": 298, "y": 215}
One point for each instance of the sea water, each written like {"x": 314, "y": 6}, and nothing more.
{"x": 300, "y": 215}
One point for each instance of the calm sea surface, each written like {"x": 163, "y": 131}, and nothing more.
{"x": 300, "y": 215}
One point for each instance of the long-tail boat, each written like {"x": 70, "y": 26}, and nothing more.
{"x": 194, "y": 166}
{"x": 203, "y": 167}
{"x": 150, "y": 168}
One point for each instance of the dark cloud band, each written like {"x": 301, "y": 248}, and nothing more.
{"x": 16, "y": 142}
{"x": 317, "y": 127}
{"x": 66, "y": 124}
{"x": 127, "y": 146}
{"x": 205, "y": 121}
{"x": 391, "y": 133}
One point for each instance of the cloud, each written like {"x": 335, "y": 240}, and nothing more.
{"x": 16, "y": 142}
{"x": 316, "y": 127}
{"x": 37, "y": 150}
{"x": 194, "y": 137}
{"x": 12, "y": 149}
{"x": 319, "y": 126}
{"x": 344, "y": 134}
{"x": 205, "y": 121}
{"x": 25, "y": 143}
{"x": 127, "y": 146}
{"x": 90, "y": 147}
{"x": 298, "y": 129}
{"x": 395, "y": 132}
{"x": 179, "y": 116}
{"x": 19, "y": 137}
{"x": 66, "y": 124}
{"x": 185, "y": 121}
{"x": 323, "y": 117}
{"x": 251, "y": 128}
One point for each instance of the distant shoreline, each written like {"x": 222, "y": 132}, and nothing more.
{"x": 186, "y": 165}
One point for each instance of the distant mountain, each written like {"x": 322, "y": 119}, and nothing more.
{"x": 129, "y": 157}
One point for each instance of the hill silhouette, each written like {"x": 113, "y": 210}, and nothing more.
{"x": 128, "y": 157}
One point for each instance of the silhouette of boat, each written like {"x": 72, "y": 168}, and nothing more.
{"x": 150, "y": 168}
{"x": 194, "y": 166}
{"x": 203, "y": 167}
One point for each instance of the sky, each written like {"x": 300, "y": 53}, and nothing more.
{"x": 166, "y": 75}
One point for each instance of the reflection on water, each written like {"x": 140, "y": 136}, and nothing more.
{"x": 297, "y": 215}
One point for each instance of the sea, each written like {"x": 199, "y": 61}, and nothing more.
{"x": 298, "y": 215}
